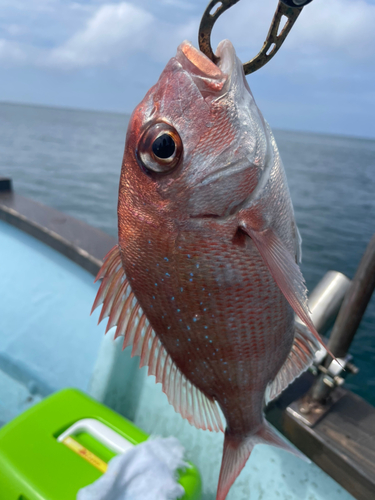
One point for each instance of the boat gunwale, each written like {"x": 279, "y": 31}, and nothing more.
{"x": 78, "y": 241}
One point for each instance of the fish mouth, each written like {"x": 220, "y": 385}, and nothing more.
{"x": 208, "y": 77}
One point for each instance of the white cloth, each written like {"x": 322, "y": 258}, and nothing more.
{"x": 146, "y": 472}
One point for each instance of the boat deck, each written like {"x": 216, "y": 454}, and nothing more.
{"x": 48, "y": 341}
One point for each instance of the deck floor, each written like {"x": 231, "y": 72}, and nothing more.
{"x": 48, "y": 341}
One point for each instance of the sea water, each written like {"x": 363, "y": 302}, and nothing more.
{"x": 71, "y": 160}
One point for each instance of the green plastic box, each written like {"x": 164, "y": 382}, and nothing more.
{"x": 34, "y": 465}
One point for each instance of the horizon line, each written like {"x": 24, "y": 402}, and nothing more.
{"x": 128, "y": 114}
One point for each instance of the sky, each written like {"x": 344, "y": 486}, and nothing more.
{"x": 101, "y": 55}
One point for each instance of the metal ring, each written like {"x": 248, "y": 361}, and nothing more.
{"x": 296, "y": 3}
{"x": 273, "y": 41}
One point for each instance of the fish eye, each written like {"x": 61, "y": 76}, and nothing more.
{"x": 163, "y": 146}
{"x": 160, "y": 148}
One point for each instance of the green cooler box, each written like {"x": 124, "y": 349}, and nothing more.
{"x": 63, "y": 444}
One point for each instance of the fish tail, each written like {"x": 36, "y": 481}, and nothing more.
{"x": 237, "y": 450}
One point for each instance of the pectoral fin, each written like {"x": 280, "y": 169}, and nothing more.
{"x": 284, "y": 271}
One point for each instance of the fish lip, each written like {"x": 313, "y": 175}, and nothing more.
{"x": 210, "y": 78}
{"x": 227, "y": 57}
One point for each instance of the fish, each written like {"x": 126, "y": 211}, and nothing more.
{"x": 205, "y": 283}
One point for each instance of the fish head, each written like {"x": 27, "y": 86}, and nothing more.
{"x": 197, "y": 145}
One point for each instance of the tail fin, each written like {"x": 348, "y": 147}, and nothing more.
{"x": 235, "y": 454}
{"x": 237, "y": 450}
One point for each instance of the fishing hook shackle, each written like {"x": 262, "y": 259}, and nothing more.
{"x": 291, "y": 9}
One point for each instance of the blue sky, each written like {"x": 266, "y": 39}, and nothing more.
{"x": 105, "y": 55}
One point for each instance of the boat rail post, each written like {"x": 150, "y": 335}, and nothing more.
{"x": 325, "y": 301}
{"x": 345, "y": 327}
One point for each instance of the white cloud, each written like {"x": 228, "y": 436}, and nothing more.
{"x": 95, "y": 35}
{"x": 116, "y": 31}
{"x": 113, "y": 30}
{"x": 14, "y": 30}
{"x": 181, "y": 4}
{"x": 35, "y": 5}
{"x": 11, "y": 52}
{"x": 345, "y": 26}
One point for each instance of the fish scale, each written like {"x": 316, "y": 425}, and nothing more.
{"x": 209, "y": 250}
{"x": 225, "y": 285}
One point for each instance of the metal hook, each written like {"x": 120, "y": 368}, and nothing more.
{"x": 291, "y": 9}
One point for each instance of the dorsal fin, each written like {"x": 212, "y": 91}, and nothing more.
{"x": 124, "y": 311}
{"x": 300, "y": 358}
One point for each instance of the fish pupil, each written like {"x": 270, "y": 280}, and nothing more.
{"x": 163, "y": 146}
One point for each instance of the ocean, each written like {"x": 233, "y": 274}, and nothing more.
{"x": 71, "y": 160}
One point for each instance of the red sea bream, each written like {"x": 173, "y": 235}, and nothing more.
{"x": 205, "y": 282}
